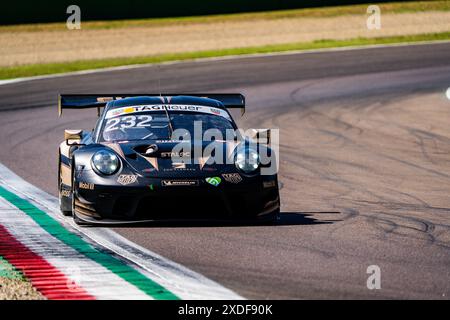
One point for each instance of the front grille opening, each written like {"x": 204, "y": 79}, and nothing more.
{"x": 181, "y": 207}
{"x": 124, "y": 206}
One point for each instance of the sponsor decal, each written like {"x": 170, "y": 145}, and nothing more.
{"x": 214, "y": 181}
{"x": 216, "y": 111}
{"x": 170, "y": 107}
{"x": 269, "y": 184}
{"x": 232, "y": 177}
{"x": 104, "y": 99}
{"x": 175, "y": 154}
{"x": 185, "y": 169}
{"x": 169, "y": 141}
{"x": 178, "y": 183}
{"x": 86, "y": 185}
{"x": 179, "y": 165}
{"x": 126, "y": 179}
{"x": 65, "y": 193}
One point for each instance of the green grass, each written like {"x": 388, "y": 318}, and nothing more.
{"x": 9, "y": 272}
{"x": 394, "y": 7}
{"x": 51, "y": 68}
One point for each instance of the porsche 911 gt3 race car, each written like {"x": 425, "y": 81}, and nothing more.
{"x": 165, "y": 157}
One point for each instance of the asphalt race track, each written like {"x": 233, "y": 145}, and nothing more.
{"x": 365, "y": 168}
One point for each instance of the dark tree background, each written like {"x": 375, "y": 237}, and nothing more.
{"x": 19, "y": 11}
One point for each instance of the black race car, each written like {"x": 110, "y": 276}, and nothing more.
{"x": 165, "y": 157}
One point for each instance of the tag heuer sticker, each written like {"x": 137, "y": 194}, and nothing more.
{"x": 215, "y": 181}
{"x": 125, "y": 179}
{"x": 232, "y": 177}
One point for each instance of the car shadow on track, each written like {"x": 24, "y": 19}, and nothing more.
{"x": 285, "y": 219}
{"x": 305, "y": 218}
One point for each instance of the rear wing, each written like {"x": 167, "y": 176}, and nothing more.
{"x": 88, "y": 101}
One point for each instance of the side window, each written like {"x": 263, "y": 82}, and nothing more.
{"x": 98, "y": 125}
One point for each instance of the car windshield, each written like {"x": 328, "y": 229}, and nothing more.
{"x": 154, "y": 125}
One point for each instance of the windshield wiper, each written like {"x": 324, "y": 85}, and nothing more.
{"x": 168, "y": 119}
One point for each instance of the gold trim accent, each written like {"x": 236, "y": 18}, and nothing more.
{"x": 66, "y": 174}
{"x": 116, "y": 147}
{"x": 64, "y": 149}
{"x": 72, "y": 134}
{"x": 202, "y": 161}
{"x": 153, "y": 161}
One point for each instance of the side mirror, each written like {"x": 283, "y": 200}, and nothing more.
{"x": 261, "y": 136}
{"x": 73, "y": 137}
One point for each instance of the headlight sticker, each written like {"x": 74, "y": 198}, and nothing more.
{"x": 232, "y": 177}
{"x": 126, "y": 179}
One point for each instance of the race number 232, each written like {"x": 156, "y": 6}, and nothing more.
{"x": 128, "y": 122}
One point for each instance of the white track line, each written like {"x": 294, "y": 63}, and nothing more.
{"x": 223, "y": 58}
{"x": 176, "y": 278}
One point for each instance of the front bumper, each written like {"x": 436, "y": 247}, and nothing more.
{"x": 149, "y": 199}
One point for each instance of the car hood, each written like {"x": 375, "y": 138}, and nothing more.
{"x": 190, "y": 159}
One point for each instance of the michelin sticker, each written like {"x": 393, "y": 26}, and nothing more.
{"x": 177, "y": 183}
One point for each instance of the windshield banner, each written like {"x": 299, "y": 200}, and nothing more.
{"x": 170, "y": 107}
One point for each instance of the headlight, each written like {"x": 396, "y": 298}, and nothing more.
{"x": 106, "y": 162}
{"x": 247, "y": 160}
